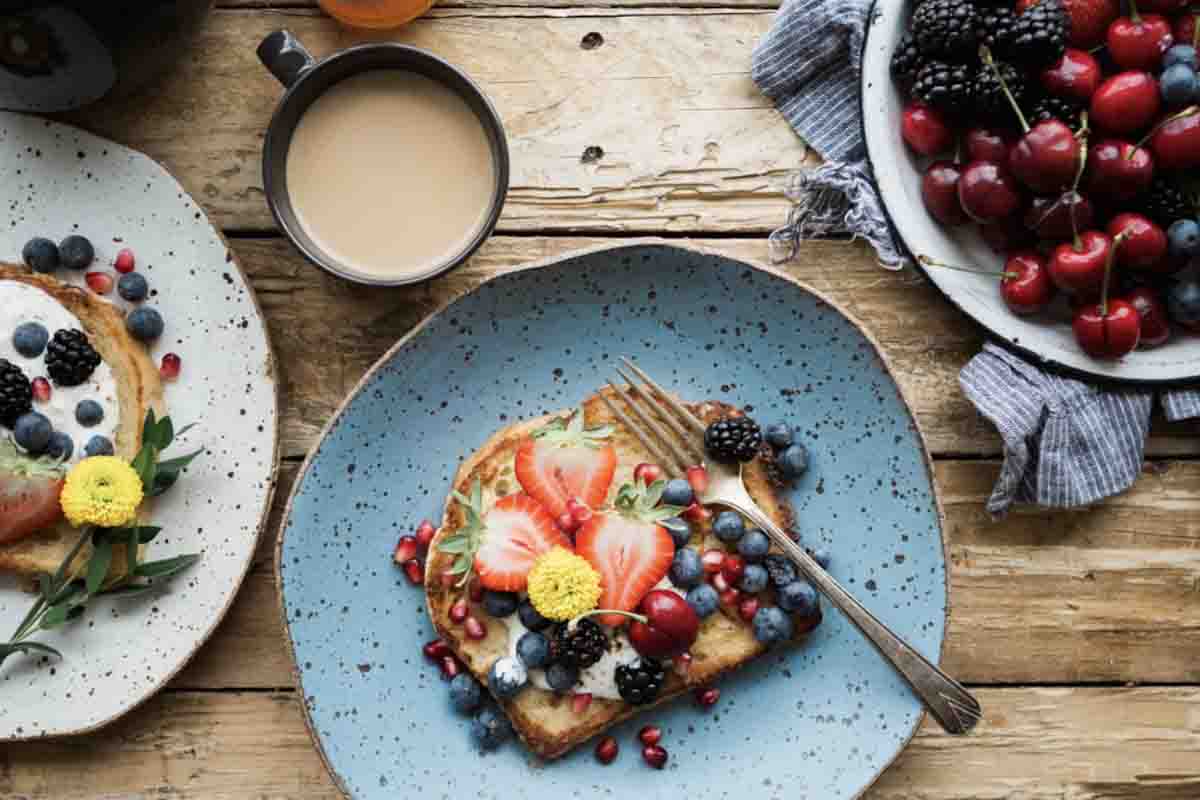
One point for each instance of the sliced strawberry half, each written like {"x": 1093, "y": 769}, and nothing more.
{"x": 29, "y": 493}
{"x": 565, "y": 461}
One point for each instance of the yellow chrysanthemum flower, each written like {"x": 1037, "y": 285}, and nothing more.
{"x": 563, "y": 585}
{"x": 103, "y": 491}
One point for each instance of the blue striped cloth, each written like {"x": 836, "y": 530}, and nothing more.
{"x": 1066, "y": 443}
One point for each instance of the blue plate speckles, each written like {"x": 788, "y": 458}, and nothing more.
{"x": 820, "y": 721}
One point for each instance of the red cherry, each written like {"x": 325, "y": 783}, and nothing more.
{"x": 1118, "y": 170}
{"x": 1139, "y": 41}
{"x": 647, "y": 473}
{"x": 1155, "y": 326}
{"x": 1107, "y": 330}
{"x": 99, "y": 282}
{"x": 988, "y": 144}
{"x": 1007, "y": 235}
{"x": 41, "y": 390}
{"x": 670, "y": 628}
{"x": 1089, "y": 20}
{"x": 171, "y": 366}
{"x": 987, "y": 192}
{"x": 1026, "y": 286}
{"x": 606, "y": 750}
{"x": 1144, "y": 245}
{"x": 1126, "y": 102}
{"x": 1176, "y": 142}
{"x": 925, "y": 130}
{"x": 1046, "y": 158}
{"x": 124, "y": 261}
{"x": 939, "y": 191}
{"x": 1075, "y": 76}
{"x": 1056, "y": 219}
{"x": 1079, "y": 267}
{"x": 406, "y": 549}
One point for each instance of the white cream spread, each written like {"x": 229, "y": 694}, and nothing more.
{"x": 21, "y": 303}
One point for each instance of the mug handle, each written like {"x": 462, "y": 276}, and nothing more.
{"x": 285, "y": 57}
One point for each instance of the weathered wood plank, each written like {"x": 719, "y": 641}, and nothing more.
{"x": 1035, "y": 744}
{"x": 689, "y": 143}
{"x": 1110, "y": 594}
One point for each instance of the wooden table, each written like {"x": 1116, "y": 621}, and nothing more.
{"x": 1079, "y": 631}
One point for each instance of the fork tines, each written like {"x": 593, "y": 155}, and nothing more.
{"x": 663, "y": 425}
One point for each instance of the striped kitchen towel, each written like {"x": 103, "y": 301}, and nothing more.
{"x": 1066, "y": 443}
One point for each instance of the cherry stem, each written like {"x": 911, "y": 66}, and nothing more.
{"x": 1134, "y": 16}
{"x": 1082, "y": 137}
{"x": 1108, "y": 263}
{"x": 598, "y": 611}
{"x": 986, "y": 55}
{"x": 1187, "y": 112}
{"x": 930, "y": 262}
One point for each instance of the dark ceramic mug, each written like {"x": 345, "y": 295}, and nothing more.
{"x": 305, "y": 79}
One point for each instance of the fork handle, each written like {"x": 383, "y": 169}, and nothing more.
{"x": 955, "y": 709}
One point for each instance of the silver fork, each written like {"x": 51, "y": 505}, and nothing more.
{"x": 675, "y": 437}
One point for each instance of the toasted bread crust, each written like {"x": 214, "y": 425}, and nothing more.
{"x": 546, "y": 721}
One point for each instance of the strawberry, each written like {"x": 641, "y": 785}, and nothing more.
{"x": 628, "y": 547}
{"x": 502, "y": 545}
{"x": 564, "y": 461}
{"x": 29, "y": 492}
{"x": 1089, "y": 19}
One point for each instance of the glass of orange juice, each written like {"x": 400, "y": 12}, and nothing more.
{"x": 375, "y": 13}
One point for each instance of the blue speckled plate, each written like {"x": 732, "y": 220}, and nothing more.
{"x": 821, "y": 721}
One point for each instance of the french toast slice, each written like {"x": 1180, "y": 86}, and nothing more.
{"x": 546, "y": 721}
{"x": 139, "y": 389}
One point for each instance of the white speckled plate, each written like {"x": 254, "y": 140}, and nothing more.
{"x": 56, "y": 180}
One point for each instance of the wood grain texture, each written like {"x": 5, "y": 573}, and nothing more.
{"x": 688, "y": 142}
{"x": 1033, "y": 744}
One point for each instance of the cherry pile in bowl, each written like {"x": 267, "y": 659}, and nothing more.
{"x": 1068, "y": 131}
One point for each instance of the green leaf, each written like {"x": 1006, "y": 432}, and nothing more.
{"x": 184, "y": 429}
{"x": 654, "y": 493}
{"x": 455, "y": 544}
{"x": 146, "y": 533}
{"x": 131, "y": 549}
{"x": 128, "y": 590}
{"x": 179, "y": 462}
{"x": 145, "y": 465}
{"x": 45, "y": 584}
{"x": 27, "y": 648}
{"x": 167, "y": 566}
{"x": 56, "y": 616}
{"x": 149, "y": 426}
{"x": 98, "y": 564}
{"x": 69, "y": 593}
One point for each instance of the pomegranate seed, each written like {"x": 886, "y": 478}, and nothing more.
{"x": 450, "y": 667}
{"x": 712, "y": 560}
{"x": 747, "y": 608}
{"x": 458, "y": 612}
{"x": 406, "y": 550}
{"x": 566, "y": 521}
{"x": 698, "y": 477}
{"x": 124, "y": 262}
{"x": 436, "y": 650}
{"x": 99, "y": 282}
{"x": 707, "y": 696}
{"x": 719, "y": 582}
{"x": 171, "y": 365}
{"x": 414, "y": 572}
{"x": 425, "y": 534}
{"x": 475, "y": 592}
{"x": 606, "y": 750}
{"x": 696, "y": 513}
{"x": 449, "y": 579}
{"x": 647, "y": 473}
{"x": 683, "y": 663}
{"x": 733, "y": 568}
{"x": 655, "y": 756}
{"x": 650, "y": 734}
{"x": 41, "y": 390}
{"x": 580, "y": 701}
{"x": 474, "y": 628}
{"x": 579, "y": 511}
{"x": 731, "y": 597}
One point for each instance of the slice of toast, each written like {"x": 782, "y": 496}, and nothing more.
{"x": 547, "y": 721}
{"x": 139, "y": 389}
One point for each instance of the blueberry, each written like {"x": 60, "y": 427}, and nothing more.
{"x": 89, "y": 413}
{"x": 530, "y": 617}
{"x": 144, "y": 324}
{"x": 490, "y": 728}
{"x": 1178, "y": 85}
{"x": 678, "y": 492}
{"x": 32, "y": 432}
{"x": 797, "y": 597}
{"x": 686, "y": 569}
{"x": 76, "y": 252}
{"x": 1183, "y": 238}
{"x": 754, "y": 579}
{"x": 60, "y": 447}
{"x": 703, "y": 599}
{"x": 754, "y": 545}
{"x": 98, "y": 446}
{"x": 1183, "y": 302}
{"x": 728, "y": 526}
{"x": 465, "y": 693}
{"x": 680, "y": 531}
{"x": 561, "y": 677}
{"x": 30, "y": 338}
{"x": 772, "y": 625}
{"x": 781, "y": 569}
{"x": 499, "y": 604}
{"x": 779, "y": 435}
{"x": 507, "y": 677}
{"x": 792, "y": 461}
{"x": 40, "y": 254}
{"x": 822, "y": 557}
{"x": 133, "y": 287}
{"x": 533, "y": 649}
{"x": 1181, "y": 54}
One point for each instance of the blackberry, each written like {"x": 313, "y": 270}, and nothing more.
{"x": 988, "y": 93}
{"x": 16, "y": 393}
{"x": 994, "y": 28}
{"x": 945, "y": 28}
{"x": 639, "y": 683}
{"x": 579, "y": 647}
{"x": 1038, "y": 37}
{"x": 906, "y": 61}
{"x": 946, "y": 87}
{"x": 70, "y": 358}
{"x": 780, "y": 569}
{"x": 1164, "y": 202}
{"x": 1059, "y": 108}
{"x": 731, "y": 439}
